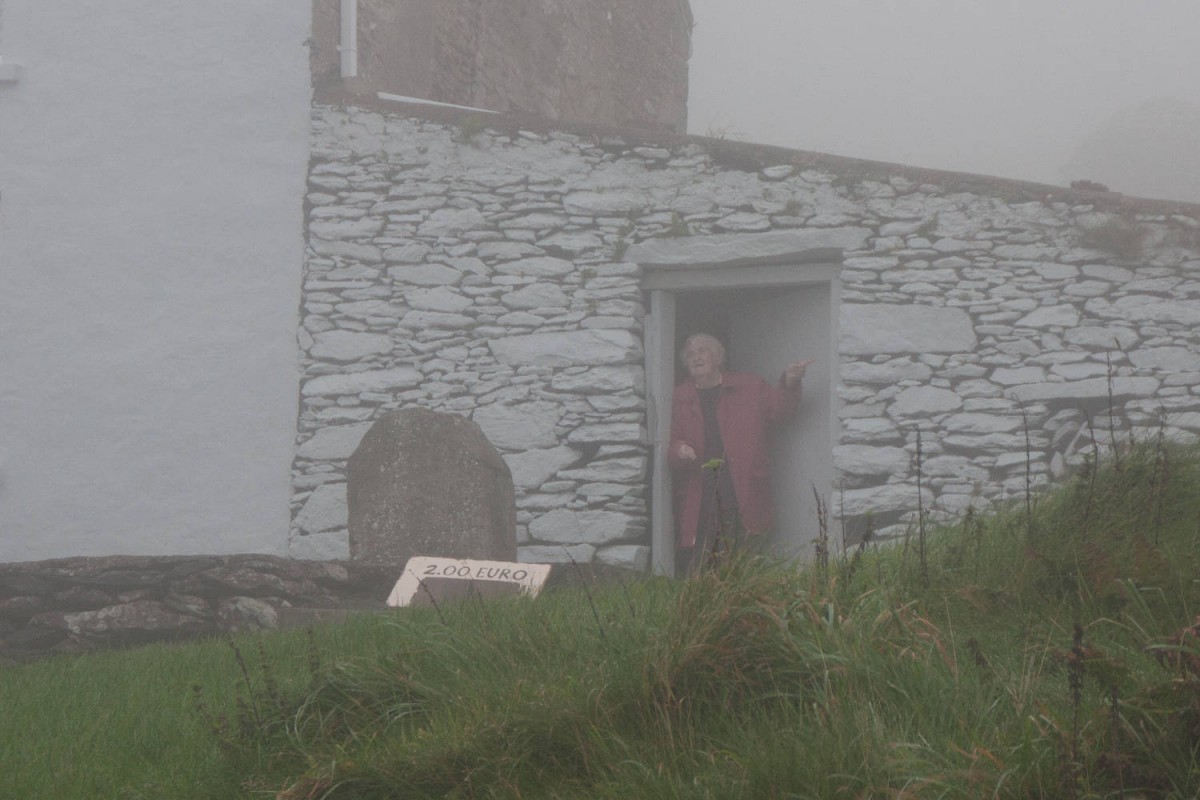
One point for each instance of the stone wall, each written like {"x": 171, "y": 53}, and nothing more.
{"x": 75, "y": 605}
{"x": 499, "y": 274}
{"x": 619, "y": 62}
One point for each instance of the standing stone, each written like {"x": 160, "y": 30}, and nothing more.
{"x": 430, "y": 484}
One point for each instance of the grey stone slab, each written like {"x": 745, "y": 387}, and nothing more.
{"x": 1091, "y": 389}
{"x": 738, "y": 249}
{"x": 877, "y": 328}
{"x": 424, "y": 483}
{"x": 356, "y": 382}
{"x": 582, "y": 348}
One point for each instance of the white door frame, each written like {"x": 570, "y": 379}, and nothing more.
{"x": 664, "y": 284}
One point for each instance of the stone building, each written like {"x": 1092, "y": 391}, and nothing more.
{"x": 540, "y": 280}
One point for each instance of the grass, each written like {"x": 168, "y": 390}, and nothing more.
{"x": 1040, "y": 651}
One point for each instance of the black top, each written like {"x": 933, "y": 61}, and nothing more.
{"x": 713, "y": 446}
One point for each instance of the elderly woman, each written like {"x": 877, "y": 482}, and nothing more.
{"x": 718, "y": 450}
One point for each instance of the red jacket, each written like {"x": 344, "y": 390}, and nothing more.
{"x": 746, "y": 407}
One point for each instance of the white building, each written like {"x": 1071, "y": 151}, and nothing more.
{"x": 152, "y": 167}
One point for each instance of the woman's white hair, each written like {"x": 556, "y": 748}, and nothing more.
{"x": 708, "y": 337}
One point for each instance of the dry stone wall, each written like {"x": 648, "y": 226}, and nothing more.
{"x": 496, "y": 275}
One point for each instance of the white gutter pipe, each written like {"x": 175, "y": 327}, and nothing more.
{"x": 348, "y": 46}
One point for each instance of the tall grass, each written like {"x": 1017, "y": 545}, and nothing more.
{"x": 989, "y": 663}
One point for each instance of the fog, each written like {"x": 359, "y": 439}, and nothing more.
{"x": 1043, "y": 90}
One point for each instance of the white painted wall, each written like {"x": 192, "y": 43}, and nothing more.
{"x": 152, "y": 168}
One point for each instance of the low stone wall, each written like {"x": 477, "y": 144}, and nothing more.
{"x": 499, "y": 274}
{"x": 75, "y": 605}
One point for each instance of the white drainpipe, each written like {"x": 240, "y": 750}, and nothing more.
{"x": 348, "y": 46}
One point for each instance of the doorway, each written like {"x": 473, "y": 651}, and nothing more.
{"x": 767, "y": 316}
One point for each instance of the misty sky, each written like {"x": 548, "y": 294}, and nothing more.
{"x": 998, "y": 87}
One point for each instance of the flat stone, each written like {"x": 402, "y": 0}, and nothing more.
{"x": 918, "y": 400}
{"x": 608, "y": 433}
{"x": 334, "y": 443}
{"x": 872, "y": 430}
{"x": 507, "y": 251}
{"x": 1107, "y": 273}
{"x": 571, "y": 242}
{"x": 744, "y": 221}
{"x": 609, "y": 470}
{"x": 1050, "y": 316}
{"x": 634, "y": 557}
{"x": 538, "y": 267}
{"x": 556, "y": 554}
{"x": 604, "y": 204}
{"x": 870, "y": 329}
{"x": 363, "y": 228}
{"x": 988, "y": 443}
{"x": 437, "y": 299}
{"x": 532, "y": 468}
{"x": 1091, "y": 389}
{"x": 358, "y": 382}
{"x": 889, "y": 372}
{"x": 425, "y": 275}
{"x": 1010, "y": 376}
{"x": 535, "y": 222}
{"x": 581, "y": 527}
{"x": 1078, "y": 372}
{"x": 324, "y": 510}
{"x": 1168, "y": 359}
{"x": 1145, "y": 308}
{"x": 1101, "y": 338}
{"x": 519, "y": 427}
{"x": 420, "y": 320}
{"x": 583, "y": 348}
{"x": 601, "y": 379}
{"x": 881, "y": 499}
{"x": 351, "y": 251}
{"x": 734, "y": 249}
{"x": 980, "y": 423}
{"x": 959, "y": 467}
{"x": 328, "y": 546}
{"x": 449, "y": 221}
{"x": 349, "y": 346}
{"x": 537, "y": 295}
{"x": 857, "y": 459}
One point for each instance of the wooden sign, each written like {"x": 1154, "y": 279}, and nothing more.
{"x": 428, "y": 580}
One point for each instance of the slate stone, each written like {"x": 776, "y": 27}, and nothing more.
{"x": 532, "y": 468}
{"x": 356, "y": 382}
{"x": 627, "y": 556}
{"x": 1050, "y": 316}
{"x": 519, "y": 427}
{"x": 581, "y": 527}
{"x": 349, "y": 346}
{"x": 570, "y": 348}
{"x": 920, "y": 400}
{"x": 734, "y": 248}
{"x": 875, "y": 328}
{"x": 334, "y": 443}
{"x": 856, "y": 459}
{"x": 428, "y": 483}
{"x": 325, "y": 509}
{"x": 1093, "y": 388}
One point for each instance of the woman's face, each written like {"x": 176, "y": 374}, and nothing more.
{"x": 702, "y": 358}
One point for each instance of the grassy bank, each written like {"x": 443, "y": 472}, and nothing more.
{"x": 1042, "y": 651}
